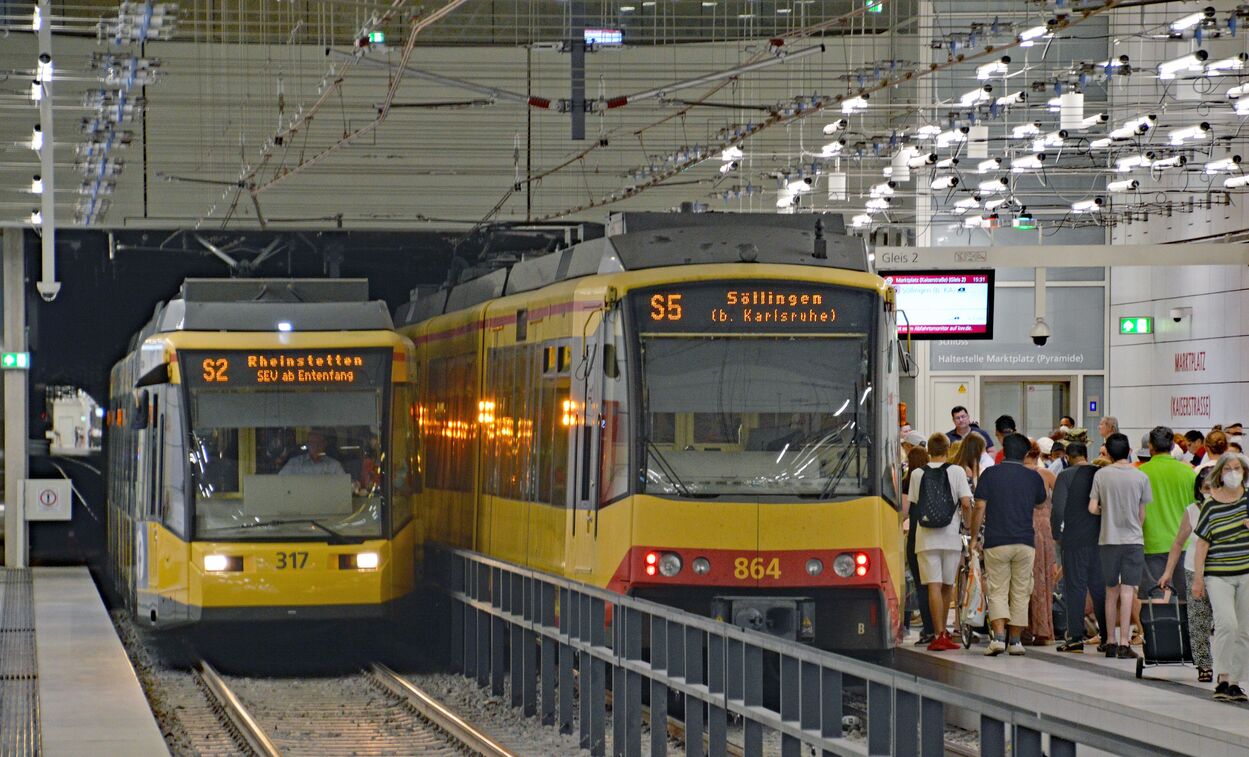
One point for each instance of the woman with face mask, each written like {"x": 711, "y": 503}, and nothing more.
{"x": 1199, "y": 618}
{"x": 1221, "y": 570}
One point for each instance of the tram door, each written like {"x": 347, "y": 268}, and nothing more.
{"x": 586, "y": 418}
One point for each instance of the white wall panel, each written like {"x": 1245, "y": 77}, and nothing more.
{"x": 1191, "y": 374}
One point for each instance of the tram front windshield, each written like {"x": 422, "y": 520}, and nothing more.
{"x": 294, "y": 464}
{"x": 759, "y": 389}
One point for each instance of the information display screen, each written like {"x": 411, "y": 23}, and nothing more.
{"x": 225, "y": 369}
{"x": 772, "y": 307}
{"x": 944, "y": 304}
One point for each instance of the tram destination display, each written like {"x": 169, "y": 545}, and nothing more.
{"x": 775, "y": 307}
{"x": 944, "y": 304}
{"x": 223, "y": 369}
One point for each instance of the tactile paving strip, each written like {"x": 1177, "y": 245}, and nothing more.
{"x": 19, "y": 675}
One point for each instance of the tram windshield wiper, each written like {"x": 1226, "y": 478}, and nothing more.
{"x": 335, "y": 537}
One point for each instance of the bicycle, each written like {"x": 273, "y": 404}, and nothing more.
{"x": 963, "y": 613}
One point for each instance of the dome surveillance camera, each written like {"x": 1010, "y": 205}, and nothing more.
{"x": 1179, "y": 314}
{"x": 1040, "y": 332}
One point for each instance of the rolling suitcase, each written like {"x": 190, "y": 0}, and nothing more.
{"x": 1164, "y": 622}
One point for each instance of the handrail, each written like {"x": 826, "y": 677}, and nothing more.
{"x": 538, "y": 623}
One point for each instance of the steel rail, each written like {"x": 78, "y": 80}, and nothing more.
{"x": 236, "y": 713}
{"x": 435, "y": 712}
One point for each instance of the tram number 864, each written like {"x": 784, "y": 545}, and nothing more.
{"x": 292, "y": 560}
{"x": 744, "y": 568}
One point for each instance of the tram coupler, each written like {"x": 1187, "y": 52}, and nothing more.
{"x": 790, "y": 618}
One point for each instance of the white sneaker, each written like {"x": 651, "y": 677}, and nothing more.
{"x": 1016, "y": 649}
{"x": 995, "y": 648}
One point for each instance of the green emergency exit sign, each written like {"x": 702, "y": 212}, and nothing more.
{"x": 15, "y": 361}
{"x": 1136, "y": 325}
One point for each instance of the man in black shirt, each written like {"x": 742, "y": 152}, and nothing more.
{"x": 1005, "y": 498}
{"x": 1076, "y": 530}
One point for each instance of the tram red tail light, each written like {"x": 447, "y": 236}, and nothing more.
{"x": 850, "y": 564}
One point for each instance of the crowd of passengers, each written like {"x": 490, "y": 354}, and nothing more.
{"x": 1105, "y": 528}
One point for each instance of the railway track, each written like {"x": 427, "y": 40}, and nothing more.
{"x": 375, "y": 712}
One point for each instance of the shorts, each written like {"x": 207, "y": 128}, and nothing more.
{"x": 939, "y": 566}
{"x": 1122, "y": 563}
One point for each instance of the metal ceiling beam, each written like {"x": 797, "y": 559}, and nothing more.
{"x": 957, "y": 257}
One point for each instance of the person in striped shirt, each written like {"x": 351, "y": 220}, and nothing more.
{"x": 1222, "y": 570}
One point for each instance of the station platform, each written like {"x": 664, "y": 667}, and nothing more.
{"x": 1167, "y": 708}
{"x": 66, "y": 684}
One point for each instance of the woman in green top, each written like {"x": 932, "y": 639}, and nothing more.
{"x": 1222, "y": 569}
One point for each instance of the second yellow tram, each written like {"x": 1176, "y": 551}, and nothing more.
{"x": 696, "y": 409}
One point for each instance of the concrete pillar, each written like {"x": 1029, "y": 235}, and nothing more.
{"x": 15, "y": 401}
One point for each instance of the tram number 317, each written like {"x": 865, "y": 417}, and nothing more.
{"x": 292, "y": 560}
{"x": 757, "y": 568}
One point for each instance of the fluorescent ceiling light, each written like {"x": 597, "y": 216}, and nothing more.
{"x": 1180, "y": 136}
{"x": 993, "y": 186}
{"x": 854, "y": 104}
{"x": 1192, "y": 62}
{"x": 998, "y": 67}
{"x": 1027, "y": 163}
{"x": 1191, "y": 20}
{"x": 1223, "y": 165}
{"x": 1122, "y": 165}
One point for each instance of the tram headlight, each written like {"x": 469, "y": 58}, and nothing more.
{"x": 222, "y": 563}
{"x": 814, "y": 567}
{"x": 701, "y": 566}
{"x": 670, "y": 564}
{"x": 844, "y": 565}
{"x": 359, "y": 561}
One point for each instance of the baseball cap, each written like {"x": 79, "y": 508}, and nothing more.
{"x": 915, "y": 438}
{"x": 1045, "y": 444}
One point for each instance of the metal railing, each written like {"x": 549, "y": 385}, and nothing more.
{"x": 556, "y": 637}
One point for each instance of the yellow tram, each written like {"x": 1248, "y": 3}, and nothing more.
{"x": 696, "y": 409}
{"x": 261, "y": 456}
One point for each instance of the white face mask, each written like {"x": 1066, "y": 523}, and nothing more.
{"x": 1233, "y": 478}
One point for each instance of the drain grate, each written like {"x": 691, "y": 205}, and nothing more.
{"x": 19, "y": 676}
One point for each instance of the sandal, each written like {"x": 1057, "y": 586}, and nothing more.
{"x": 1205, "y": 675}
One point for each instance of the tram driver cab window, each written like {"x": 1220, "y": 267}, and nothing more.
{"x": 313, "y": 461}
{"x": 284, "y": 465}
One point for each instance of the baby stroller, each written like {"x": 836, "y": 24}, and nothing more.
{"x": 971, "y": 600}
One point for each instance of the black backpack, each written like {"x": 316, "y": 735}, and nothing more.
{"x": 936, "y": 500}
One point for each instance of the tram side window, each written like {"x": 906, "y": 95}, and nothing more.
{"x": 450, "y": 422}
{"x": 506, "y": 418}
